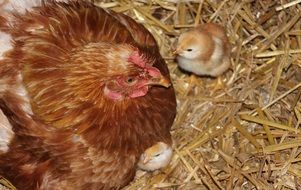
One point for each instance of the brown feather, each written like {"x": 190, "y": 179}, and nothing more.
{"x": 76, "y": 138}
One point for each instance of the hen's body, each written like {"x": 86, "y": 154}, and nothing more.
{"x": 64, "y": 133}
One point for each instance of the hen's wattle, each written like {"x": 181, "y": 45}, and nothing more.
{"x": 85, "y": 92}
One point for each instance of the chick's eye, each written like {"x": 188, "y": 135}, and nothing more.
{"x": 156, "y": 155}
{"x": 189, "y": 49}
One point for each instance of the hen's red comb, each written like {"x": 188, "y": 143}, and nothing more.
{"x": 137, "y": 59}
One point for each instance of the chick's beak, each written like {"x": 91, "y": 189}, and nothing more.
{"x": 146, "y": 159}
{"x": 175, "y": 52}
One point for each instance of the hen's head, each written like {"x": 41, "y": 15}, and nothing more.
{"x": 129, "y": 73}
{"x": 117, "y": 70}
{"x": 105, "y": 70}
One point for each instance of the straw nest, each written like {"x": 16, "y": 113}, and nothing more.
{"x": 246, "y": 135}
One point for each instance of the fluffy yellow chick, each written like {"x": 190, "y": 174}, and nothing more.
{"x": 155, "y": 157}
{"x": 204, "y": 50}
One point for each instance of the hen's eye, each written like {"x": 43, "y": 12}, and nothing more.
{"x": 189, "y": 50}
{"x": 130, "y": 80}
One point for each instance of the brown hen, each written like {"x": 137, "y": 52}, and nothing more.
{"x": 85, "y": 92}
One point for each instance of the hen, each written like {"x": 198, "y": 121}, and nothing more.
{"x": 83, "y": 91}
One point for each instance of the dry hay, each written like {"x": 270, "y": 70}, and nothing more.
{"x": 246, "y": 135}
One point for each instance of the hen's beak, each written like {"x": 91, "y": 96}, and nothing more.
{"x": 160, "y": 81}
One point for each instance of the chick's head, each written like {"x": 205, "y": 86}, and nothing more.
{"x": 193, "y": 45}
{"x": 155, "y": 157}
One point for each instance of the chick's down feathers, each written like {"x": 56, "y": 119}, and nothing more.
{"x": 83, "y": 92}
{"x": 204, "y": 50}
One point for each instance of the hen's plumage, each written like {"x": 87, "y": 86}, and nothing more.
{"x": 81, "y": 90}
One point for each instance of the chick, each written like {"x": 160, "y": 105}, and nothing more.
{"x": 204, "y": 50}
{"x": 155, "y": 157}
